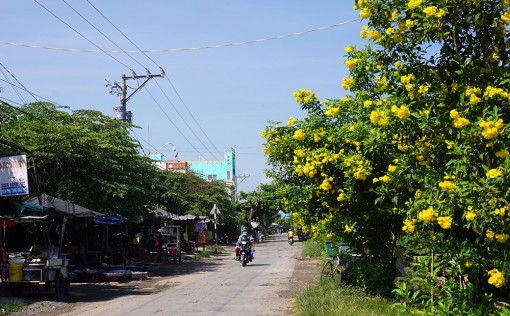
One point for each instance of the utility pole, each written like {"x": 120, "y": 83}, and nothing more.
{"x": 121, "y": 90}
{"x": 236, "y": 198}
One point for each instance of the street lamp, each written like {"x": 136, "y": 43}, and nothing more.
{"x": 173, "y": 149}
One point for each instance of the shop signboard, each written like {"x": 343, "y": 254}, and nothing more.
{"x": 13, "y": 175}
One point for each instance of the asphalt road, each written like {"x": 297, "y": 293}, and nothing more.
{"x": 227, "y": 288}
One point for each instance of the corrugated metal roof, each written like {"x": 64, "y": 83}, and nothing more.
{"x": 61, "y": 206}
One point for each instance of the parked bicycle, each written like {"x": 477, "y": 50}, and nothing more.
{"x": 339, "y": 263}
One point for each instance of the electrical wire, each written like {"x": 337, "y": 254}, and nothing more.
{"x": 172, "y": 50}
{"x": 193, "y": 117}
{"x": 18, "y": 83}
{"x": 98, "y": 11}
{"x": 168, "y": 79}
{"x": 16, "y": 108}
{"x": 172, "y": 122}
{"x": 15, "y": 90}
{"x": 109, "y": 39}
{"x": 23, "y": 88}
{"x": 83, "y": 36}
{"x": 186, "y": 123}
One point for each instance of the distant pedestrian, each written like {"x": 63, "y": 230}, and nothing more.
{"x": 159, "y": 246}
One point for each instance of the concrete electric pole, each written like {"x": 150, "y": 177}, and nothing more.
{"x": 120, "y": 111}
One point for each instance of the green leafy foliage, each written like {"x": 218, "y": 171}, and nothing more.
{"x": 418, "y": 148}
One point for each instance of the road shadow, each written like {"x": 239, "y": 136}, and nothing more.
{"x": 157, "y": 281}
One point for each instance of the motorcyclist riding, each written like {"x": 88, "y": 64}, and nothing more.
{"x": 290, "y": 236}
{"x": 245, "y": 236}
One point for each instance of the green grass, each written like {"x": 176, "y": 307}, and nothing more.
{"x": 312, "y": 249}
{"x": 327, "y": 299}
{"x": 7, "y": 308}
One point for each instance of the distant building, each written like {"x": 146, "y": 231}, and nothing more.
{"x": 211, "y": 170}
{"x": 222, "y": 170}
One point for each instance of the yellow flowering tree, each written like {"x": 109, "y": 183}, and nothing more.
{"x": 418, "y": 147}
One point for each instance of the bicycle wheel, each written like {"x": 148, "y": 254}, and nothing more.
{"x": 327, "y": 270}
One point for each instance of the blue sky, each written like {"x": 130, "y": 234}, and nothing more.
{"x": 225, "y": 95}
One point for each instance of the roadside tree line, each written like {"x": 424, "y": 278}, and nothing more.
{"x": 90, "y": 159}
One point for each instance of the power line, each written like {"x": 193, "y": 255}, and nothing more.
{"x": 168, "y": 79}
{"x": 23, "y": 88}
{"x": 83, "y": 36}
{"x": 172, "y": 50}
{"x": 186, "y": 123}
{"x": 169, "y": 119}
{"x": 193, "y": 117}
{"x": 15, "y": 90}
{"x": 122, "y": 33}
{"x": 111, "y": 41}
{"x": 18, "y": 83}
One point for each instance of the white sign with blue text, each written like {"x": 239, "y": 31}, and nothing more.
{"x": 13, "y": 175}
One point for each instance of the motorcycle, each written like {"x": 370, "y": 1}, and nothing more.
{"x": 291, "y": 240}
{"x": 245, "y": 252}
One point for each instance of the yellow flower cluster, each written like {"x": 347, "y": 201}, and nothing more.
{"x": 392, "y": 168}
{"x": 348, "y": 229}
{"x": 506, "y": 16}
{"x": 299, "y": 135}
{"x": 347, "y": 83}
{"x": 401, "y": 112}
{"x": 351, "y": 63}
{"x": 470, "y": 215}
{"x": 374, "y": 34}
{"x": 341, "y": 196}
{"x": 405, "y": 79}
{"x": 490, "y": 128}
{"x": 313, "y": 162}
{"x": 494, "y": 173}
{"x": 360, "y": 169}
{"x": 423, "y": 89}
{"x": 384, "y": 179}
{"x": 500, "y": 211}
{"x": 428, "y": 215}
{"x": 363, "y": 33}
{"x": 449, "y": 186}
{"x": 400, "y": 141}
{"x": 445, "y": 222}
{"x": 491, "y": 92}
{"x": 432, "y": 11}
{"x": 383, "y": 83}
{"x": 365, "y": 13}
{"x": 326, "y": 184}
{"x": 409, "y": 24}
{"x": 379, "y": 117}
{"x": 304, "y": 96}
{"x": 473, "y": 93}
{"x": 413, "y": 4}
{"x": 291, "y": 121}
{"x": 501, "y": 238}
{"x": 409, "y": 226}
{"x": 332, "y": 111}
{"x": 496, "y": 278}
{"x": 458, "y": 121}
{"x": 503, "y": 153}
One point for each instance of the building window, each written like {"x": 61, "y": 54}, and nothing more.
{"x": 212, "y": 177}
{"x": 228, "y": 175}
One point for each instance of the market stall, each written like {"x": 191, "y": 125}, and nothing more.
{"x": 32, "y": 256}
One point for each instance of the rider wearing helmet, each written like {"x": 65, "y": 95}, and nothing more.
{"x": 245, "y": 235}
